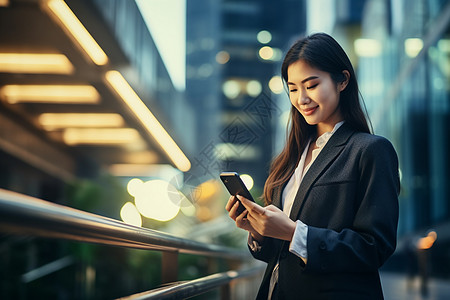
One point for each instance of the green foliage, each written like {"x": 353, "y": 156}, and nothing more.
{"x": 104, "y": 196}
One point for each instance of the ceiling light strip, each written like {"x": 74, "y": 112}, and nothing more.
{"x": 152, "y": 125}
{"x": 73, "y": 94}
{"x": 100, "y": 136}
{"x": 35, "y": 63}
{"x": 54, "y": 121}
{"x": 74, "y": 26}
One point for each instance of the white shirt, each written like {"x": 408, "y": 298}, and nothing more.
{"x": 298, "y": 245}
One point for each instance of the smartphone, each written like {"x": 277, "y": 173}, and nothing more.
{"x": 236, "y": 186}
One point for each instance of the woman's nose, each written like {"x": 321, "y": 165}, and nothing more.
{"x": 303, "y": 98}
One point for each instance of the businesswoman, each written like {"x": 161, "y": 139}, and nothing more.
{"x": 331, "y": 212}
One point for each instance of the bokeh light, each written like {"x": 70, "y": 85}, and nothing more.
{"x": 130, "y": 214}
{"x": 266, "y": 53}
{"x": 253, "y": 88}
{"x": 276, "y": 85}
{"x": 368, "y": 47}
{"x": 133, "y": 186}
{"x": 231, "y": 89}
{"x": 248, "y": 181}
{"x": 264, "y": 37}
{"x": 413, "y": 46}
{"x": 156, "y": 199}
{"x": 222, "y": 57}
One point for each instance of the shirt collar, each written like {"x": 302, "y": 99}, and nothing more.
{"x": 323, "y": 139}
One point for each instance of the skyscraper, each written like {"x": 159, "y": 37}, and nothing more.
{"x": 234, "y": 48}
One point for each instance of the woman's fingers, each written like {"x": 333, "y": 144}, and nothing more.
{"x": 260, "y": 221}
{"x": 230, "y": 203}
{"x": 251, "y": 206}
{"x": 241, "y": 219}
{"x": 233, "y": 209}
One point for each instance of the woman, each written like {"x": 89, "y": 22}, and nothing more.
{"x": 331, "y": 196}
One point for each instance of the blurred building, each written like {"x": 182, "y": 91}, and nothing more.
{"x": 234, "y": 48}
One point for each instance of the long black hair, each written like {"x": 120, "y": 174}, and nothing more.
{"x": 322, "y": 52}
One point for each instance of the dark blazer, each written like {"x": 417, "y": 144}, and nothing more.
{"x": 349, "y": 200}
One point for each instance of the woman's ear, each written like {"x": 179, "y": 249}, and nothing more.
{"x": 343, "y": 84}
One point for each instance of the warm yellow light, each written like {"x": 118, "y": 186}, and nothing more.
{"x": 276, "y": 85}
{"x": 35, "y": 63}
{"x": 368, "y": 47}
{"x": 155, "y": 199}
{"x": 428, "y": 241}
{"x": 248, "y": 181}
{"x": 52, "y": 121}
{"x": 204, "y": 213}
{"x": 130, "y": 214}
{"x": 266, "y": 53}
{"x": 207, "y": 190}
{"x": 75, "y": 94}
{"x": 152, "y": 125}
{"x": 135, "y": 169}
{"x": 138, "y": 163}
{"x": 413, "y": 46}
{"x": 100, "y": 136}
{"x": 73, "y": 25}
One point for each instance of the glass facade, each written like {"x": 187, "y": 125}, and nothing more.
{"x": 406, "y": 88}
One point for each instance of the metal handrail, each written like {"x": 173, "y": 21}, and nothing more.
{"x": 23, "y": 214}
{"x": 183, "y": 290}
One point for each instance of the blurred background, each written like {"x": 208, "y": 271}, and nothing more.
{"x": 105, "y": 102}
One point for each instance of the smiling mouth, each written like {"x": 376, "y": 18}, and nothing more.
{"x": 309, "y": 111}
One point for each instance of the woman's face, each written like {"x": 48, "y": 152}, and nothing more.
{"x": 315, "y": 95}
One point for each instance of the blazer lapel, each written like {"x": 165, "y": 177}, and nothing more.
{"x": 277, "y": 196}
{"x": 328, "y": 154}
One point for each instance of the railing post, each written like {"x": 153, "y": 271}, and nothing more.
{"x": 169, "y": 272}
{"x": 225, "y": 291}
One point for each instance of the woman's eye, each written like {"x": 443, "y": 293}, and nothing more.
{"x": 292, "y": 90}
{"x": 312, "y": 86}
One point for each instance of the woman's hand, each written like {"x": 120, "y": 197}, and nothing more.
{"x": 241, "y": 219}
{"x": 261, "y": 221}
{"x": 269, "y": 221}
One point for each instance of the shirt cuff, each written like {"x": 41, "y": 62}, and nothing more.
{"x": 298, "y": 243}
{"x": 253, "y": 244}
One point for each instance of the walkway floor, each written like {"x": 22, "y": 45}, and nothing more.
{"x": 397, "y": 287}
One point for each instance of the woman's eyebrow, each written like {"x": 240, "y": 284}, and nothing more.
{"x": 304, "y": 80}
{"x": 309, "y": 78}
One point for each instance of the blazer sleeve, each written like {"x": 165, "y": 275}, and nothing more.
{"x": 371, "y": 239}
{"x": 268, "y": 249}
